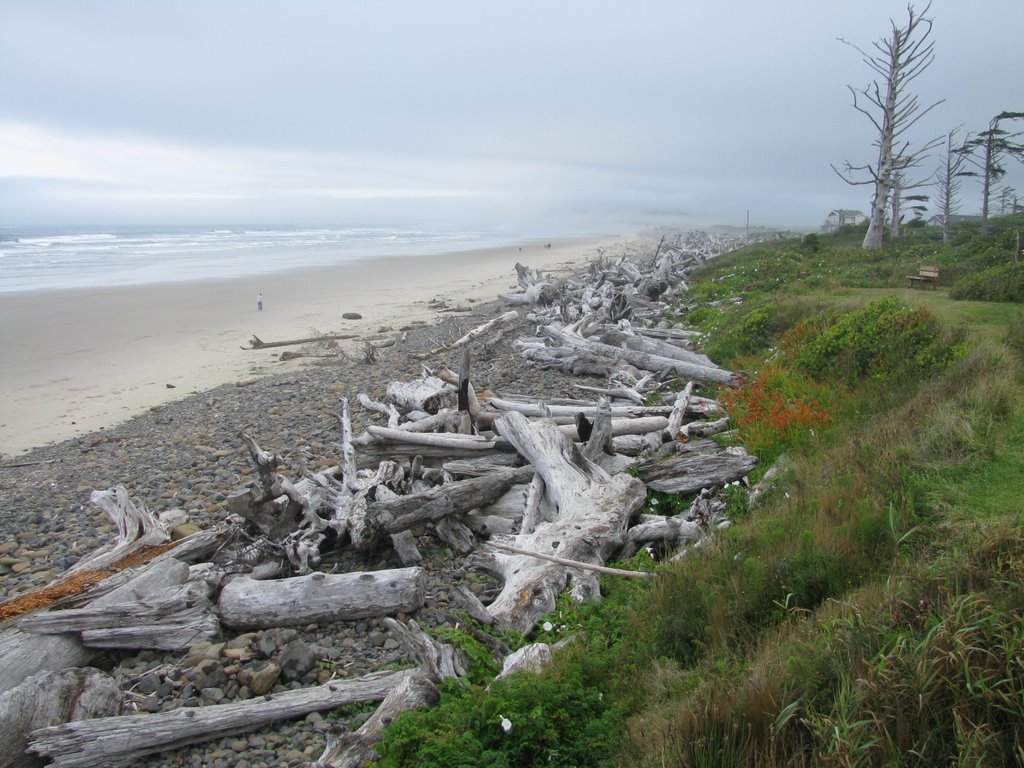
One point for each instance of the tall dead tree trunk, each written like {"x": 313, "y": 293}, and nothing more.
{"x": 898, "y": 60}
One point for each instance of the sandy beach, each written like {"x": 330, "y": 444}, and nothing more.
{"x": 80, "y": 360}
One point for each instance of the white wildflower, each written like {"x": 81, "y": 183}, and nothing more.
{"x": 548, "y": 626}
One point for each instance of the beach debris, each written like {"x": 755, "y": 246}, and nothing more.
{"x": 257, "y": 343}
{"x": 531, "y": 489}
{"x": 351, "y": 316}
{"x": 117, "y": 742}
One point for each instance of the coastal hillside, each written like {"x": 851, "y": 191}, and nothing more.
{"x": 864, "y": 610}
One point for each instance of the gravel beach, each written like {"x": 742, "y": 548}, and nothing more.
{"x": 189, "y": 455}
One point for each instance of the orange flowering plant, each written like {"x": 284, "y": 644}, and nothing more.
{"x": 779, "y": 409}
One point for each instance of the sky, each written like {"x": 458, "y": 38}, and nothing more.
{"x": 543, "y": 115}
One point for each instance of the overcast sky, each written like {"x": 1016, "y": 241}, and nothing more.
{"x": 528, "y": 114}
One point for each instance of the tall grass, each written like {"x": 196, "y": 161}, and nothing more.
{"x": 866, "y": 613}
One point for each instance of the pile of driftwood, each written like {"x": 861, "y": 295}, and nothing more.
{"x": 532, "y": 490}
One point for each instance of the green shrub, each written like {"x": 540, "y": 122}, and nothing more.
{"x": 556, "y": 719}
{"x": 811, "y": 243}
{"x": 884, "y": 341}
{"x": 999, "y": 283}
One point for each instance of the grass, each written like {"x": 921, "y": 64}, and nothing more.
{"x": 867, "y": 612}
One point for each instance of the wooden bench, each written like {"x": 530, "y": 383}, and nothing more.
{"x": 924, "y": 276}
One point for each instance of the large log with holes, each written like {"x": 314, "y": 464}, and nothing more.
{"x": 592, "y": 509}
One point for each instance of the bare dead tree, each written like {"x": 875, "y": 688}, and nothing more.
{"x": 948, "y": 179}
{"x": 901, "y": 185}
{"x": 988, "y": 152}
{"x": 893, "y": 111}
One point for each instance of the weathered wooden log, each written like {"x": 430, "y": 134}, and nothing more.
{"x": 642, "y": 575}
{"x": 619, "y": 427}
{"x": 767, "y": 480}
{"x": 533, "y": 290}
{"x": 445, "y": 440}
{"x": 52, "y": 698}
{"x": 705, "y": 428}
{"x": 599, "y": 441}
{"x": 440, "y": 661}
{"x": 118, "y": 742}
{"x": 170, "y": 619}
{"x": 456, "y": 535}
{"x": 642, "y": 360}
{"x": 137, "y": 527}
{"x": 249, "y": 604}
{"x": 670, "y": 530}
{"x": 531, "y": 659}
{"x": 428, "y": 394}
{"x": 404, "y": 512}
{"x": 404, "y": 543}
{"x": 592, "y": 511}
{"x": 356, "y": 750}
{"x": 692, "y": 473}
{"x": 539, "y": 408}
{"x": 675, "y": 420}
{"x": 387, "y": 409}
{"x": 257, "y": 343}
{"x": 23, "y": 654}
{"x": 481, "y": 330}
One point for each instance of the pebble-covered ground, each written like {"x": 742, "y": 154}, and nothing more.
{"x": 189, "y": 455}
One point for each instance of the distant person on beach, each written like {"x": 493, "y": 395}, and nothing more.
{"x": 259, "y": 302}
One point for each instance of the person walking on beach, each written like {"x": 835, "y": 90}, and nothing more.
{"x": 259, "y": 301}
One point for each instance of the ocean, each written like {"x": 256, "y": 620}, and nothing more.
{"x": 52, "y": 259}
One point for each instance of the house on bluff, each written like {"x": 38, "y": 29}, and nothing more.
{"x": 842, "y": 217}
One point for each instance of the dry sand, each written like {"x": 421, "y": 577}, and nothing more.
{"x": 76, "y": 361}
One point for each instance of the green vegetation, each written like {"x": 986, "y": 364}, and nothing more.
{"x": 867, "y": 611}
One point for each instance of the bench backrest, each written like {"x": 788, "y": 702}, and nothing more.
{"x": 929, "y": 272}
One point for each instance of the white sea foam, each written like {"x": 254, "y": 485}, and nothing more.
{"x": 69, "y": 259}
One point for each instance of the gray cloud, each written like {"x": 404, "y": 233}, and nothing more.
{"x": 530, "y": 110}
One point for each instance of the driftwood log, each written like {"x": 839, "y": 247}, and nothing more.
{"x": 249, "y": 604}
{"x": 117, "y": 742}
{"x": 48, "y": 699}
{"x": 692, "y": 473}
{"x": 592, "y": 510}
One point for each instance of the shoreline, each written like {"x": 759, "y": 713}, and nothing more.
{"x": 82, "y": 360}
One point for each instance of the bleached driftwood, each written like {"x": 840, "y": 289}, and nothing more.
{"x": 592, "y": 511}
{"x": 404, "y": 512}
{"x": 675, "y": 420}
{"x": 356, "y": 750}
{"x": 643, "y": 575}
{"x": 428, "y": 394}
{"x": 117, "y": 742}
{"x": 705, "y": 428}
{"x": 52, "y": 698}
{"x": 171, "y": 619}
{"x": 445, "y": 440}
{"x": 249, "y": 604}
{"x": 438, "y": 660}
{"x": 137, "y": 527}
{"x": 641, "y": 360}
{"x": 532, "y": 289}
{"x": 481, "y": 330}
{"x": 539, "y": 408}
{"x": 531, "y": 659}
{"x": 691, "y": 473}
{"x": 384, "y": 408}
{"x": 22, "y": 653}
